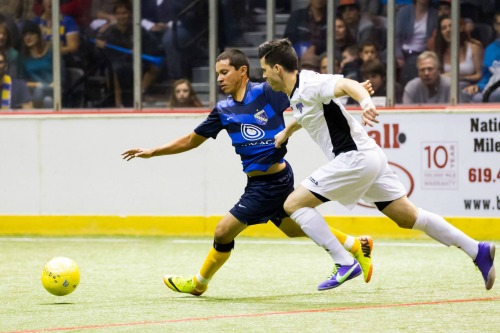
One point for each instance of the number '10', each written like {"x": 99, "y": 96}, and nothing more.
{"x": 438, "y": 157}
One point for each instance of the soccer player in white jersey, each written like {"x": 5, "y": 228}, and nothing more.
{"x": 357, "y": 167}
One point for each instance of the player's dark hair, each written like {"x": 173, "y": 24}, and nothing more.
{"x": 236, "y": 59}
{"x": 279, "y": 52}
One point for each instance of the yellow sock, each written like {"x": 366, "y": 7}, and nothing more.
{"x": 213, "y": 262}
{"x": 350, "y": 243}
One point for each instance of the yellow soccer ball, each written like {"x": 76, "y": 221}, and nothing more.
{"x": 60, "y": 276}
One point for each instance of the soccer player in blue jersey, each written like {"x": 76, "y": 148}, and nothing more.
{"x": 252, "y": 115}
{"x": 357, "y": 167}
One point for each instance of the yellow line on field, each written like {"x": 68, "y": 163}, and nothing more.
{"x": 381, "y": 227}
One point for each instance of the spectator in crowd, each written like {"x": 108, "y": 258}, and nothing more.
{"x": 375, "y": 71}
{"x": 430, "y": 87}
{"x": 470, "y": 52}
{"x": 479, "y": 11}
{"x": 6, "y": 45}
{"x": 180, "y": 39}
{"x": 14, "y": 32}
{"x": 69, "y": 31}
{"x": 310, "y": 61}
{"x": 490, "y": 71}
{"x": 371, "y": 7}
{"x": 183, "y": 95}
{"x": 444, "y": 7}
{"x": 121, "y": 34}
{"x": 103, "y": 15}
{"x": 79, "y": 10}
{"x": 415, "y": 23}
{"x": 36, "y": 61}
{"x": 14, "y": 92}
{"x": 343, "y": 37}
{"x": 368, "y": 51}
{"x": 323, "y": 65}
{"x": 306, "y": 28}
{"x": 361, "y": 25}
{"x": 351, "y": 63}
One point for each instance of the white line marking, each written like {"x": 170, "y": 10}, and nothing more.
{"x": 304, "y": 242}
{"x": 199, "y": 241}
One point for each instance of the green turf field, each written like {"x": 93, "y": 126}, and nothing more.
{"x": 268, "y": 285}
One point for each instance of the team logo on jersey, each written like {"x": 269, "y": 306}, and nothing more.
{"x": 261, "y": 117}
{"x": 299, "y": 107}
{"x": 251, "y": 132}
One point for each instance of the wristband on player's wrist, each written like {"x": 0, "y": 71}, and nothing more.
{"x": 365, "y": 102}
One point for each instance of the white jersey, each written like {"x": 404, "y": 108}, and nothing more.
{"x": 326, "y": 120}
{"x": 357, "y": 167}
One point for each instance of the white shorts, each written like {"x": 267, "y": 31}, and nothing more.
{"x": 356, "y": 175}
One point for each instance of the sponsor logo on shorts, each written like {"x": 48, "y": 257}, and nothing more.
{"x": 314, "y": 181}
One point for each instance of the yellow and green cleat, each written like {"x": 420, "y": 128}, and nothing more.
{"x": 364, "y": 256}
{"x": 184, "y": 285}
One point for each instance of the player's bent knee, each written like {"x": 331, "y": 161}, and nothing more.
{"x": 223, "y": 247}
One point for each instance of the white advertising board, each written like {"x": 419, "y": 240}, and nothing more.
{"x": 71, "y": 165}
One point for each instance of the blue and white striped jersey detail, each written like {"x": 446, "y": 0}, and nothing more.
{"x": 251, "y": 125}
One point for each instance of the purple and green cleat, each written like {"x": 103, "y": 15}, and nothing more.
{"x": 340, "y": 275}
{"x": 484, "y": 262}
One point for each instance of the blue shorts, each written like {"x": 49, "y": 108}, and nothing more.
{"x": 264, "y": 198}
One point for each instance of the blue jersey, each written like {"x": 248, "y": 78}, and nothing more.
{"x": 251, "y": 125}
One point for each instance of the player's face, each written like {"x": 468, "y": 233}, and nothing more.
{"x": 229, "y": 78}
{"x": 181, "y": 93}
{"x": 428, "y": 71}
{"x": 270, "y": 74}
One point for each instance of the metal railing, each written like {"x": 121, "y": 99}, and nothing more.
{"x": 270, "y": 33}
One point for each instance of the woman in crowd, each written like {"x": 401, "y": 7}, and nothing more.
{"x": 6, "y": 45}
{"x": 470, "y": 52}
{"x": 183, "y": 95}
{"x": 36, "y": 62}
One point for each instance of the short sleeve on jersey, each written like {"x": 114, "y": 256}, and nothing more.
{"x": 321, "y": 87}
{"x": 211, "y": 126}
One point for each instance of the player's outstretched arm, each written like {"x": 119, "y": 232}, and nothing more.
{"x": 282, "y": 136}
{"x": 179, "y": 145}
{"x": 360, "y": 94}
